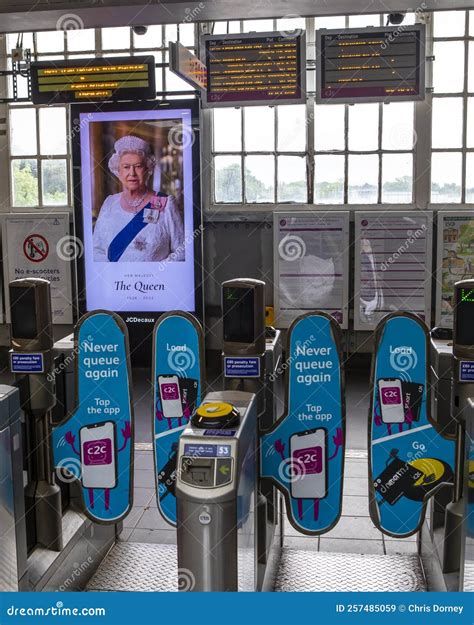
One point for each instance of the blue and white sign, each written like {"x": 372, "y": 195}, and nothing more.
{"x": 408, "y": 457}
{"x": 241, "y": 367}
{"x": 95, "y": 443}
{"x": 26, "y": 362}
{"x": 178, "y": 360}
{"x": 466, "y": 371}
{"x": 304, "y": 452}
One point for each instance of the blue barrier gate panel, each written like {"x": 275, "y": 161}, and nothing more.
{"x": 95, "y": 443}
{"x": 304, "y": 452}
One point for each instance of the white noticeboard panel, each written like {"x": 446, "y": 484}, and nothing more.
{"x": 311, "y": 264}
{"x": 392, "y": 265}
{"x": 455, "y": 259}
{"x": 37, "y": 246}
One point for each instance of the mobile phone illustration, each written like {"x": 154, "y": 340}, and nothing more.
{"x": 98, "y": 462}
{"x": 391, "y": 400}
{"x": 189, "y": 390}
{"x": 170, "y": 396}
{"x": 308, "y": 449}
{"x": 412, "y": 399}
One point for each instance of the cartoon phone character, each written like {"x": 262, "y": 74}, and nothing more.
{"x": 170, "y": 396}
{"x": 97, "y": 452}
{"x": 309, "y": 450}
{"x": 391, "y": 400}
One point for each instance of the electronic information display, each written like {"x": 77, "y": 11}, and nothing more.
{"x": 92, "y": 80}
{"x": 187, "y": 66}
{"x": 371, "y": 64}
{"x": 255, "y": 69}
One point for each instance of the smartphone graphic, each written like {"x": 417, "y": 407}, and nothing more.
{"x": 98, "y": 463}
{"x": 189, "y": 391}
{"x": 391, "y": 400}
{"x": 412, "y": 399}
{"x": 308, "y": 449}
{"x": 170, "y": 396}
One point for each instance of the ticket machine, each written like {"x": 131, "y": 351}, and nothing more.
{"x": 216, "y": 494}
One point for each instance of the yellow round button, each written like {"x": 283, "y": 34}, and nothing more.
{"x": 214, "y": 409}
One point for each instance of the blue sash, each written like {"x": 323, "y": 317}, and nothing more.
{"x": 123, "y": 239}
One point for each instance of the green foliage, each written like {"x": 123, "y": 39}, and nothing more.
{"x": 25, "y": 183}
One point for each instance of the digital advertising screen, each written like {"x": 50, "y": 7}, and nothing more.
{"x": 138, "y": 209}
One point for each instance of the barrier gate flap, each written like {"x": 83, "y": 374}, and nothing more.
{"x": 178, "y": 364}
{"x": 303, "y": 454}
{"x": 408, "y": 458}
{"x": 95, "y": 443}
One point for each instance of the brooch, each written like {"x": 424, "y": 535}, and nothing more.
{"x": 140, "y": 244}
{"x": 151, "y": 216}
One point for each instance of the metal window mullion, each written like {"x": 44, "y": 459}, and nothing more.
{"x": 464, "y": 113}
{"x": 310, "y": 110}
{"x": 243, "y": 186}
{"x": 346, "y": 151}
{"x": 379, "y": 138}
{"x": 423, "y": 130}
{"x": 275, "y": 158}
{"x": 39, "y": 165}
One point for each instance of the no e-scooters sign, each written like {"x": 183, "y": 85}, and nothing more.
{"x": 35, "y": 248}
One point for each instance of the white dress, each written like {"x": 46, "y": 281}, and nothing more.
{"x": 154, "y": 242}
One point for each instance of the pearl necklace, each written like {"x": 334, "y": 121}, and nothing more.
{"x": 135, "y": 203}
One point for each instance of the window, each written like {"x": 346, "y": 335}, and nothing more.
{"x": 40, "y": 160}
{"x": 452, "y": 135}
{"x": 363, "y": 153}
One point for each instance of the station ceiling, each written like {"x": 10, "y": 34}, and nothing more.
{"x": 27, "y": 15}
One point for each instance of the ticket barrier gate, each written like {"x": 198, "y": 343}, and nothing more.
{"x": 41, "y": 554}
{"x": 216, "y": 493}
{"x": 452, "y": 379}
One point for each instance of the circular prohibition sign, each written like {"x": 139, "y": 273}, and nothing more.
{"x": 35, "y": 248}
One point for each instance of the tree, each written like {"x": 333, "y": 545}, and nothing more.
{"x": 25, "y": 183}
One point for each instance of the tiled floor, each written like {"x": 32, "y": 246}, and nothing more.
{"x": 355, "y": 532}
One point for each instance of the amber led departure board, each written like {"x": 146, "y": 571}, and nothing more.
{"x": 370, "y": 64}
{"x": 92, "y": 80}
{"x": 263, "y": 68}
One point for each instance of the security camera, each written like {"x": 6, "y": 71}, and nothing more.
{"x": 140, "y": 30}
{"x": 396, "y": 18}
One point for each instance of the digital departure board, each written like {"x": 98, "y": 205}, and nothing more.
{"x": 255, "y": 69}
{"x": 370, "y": 64}
{"x": 93, "y": 80}
{"x": 187, "y": 66}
